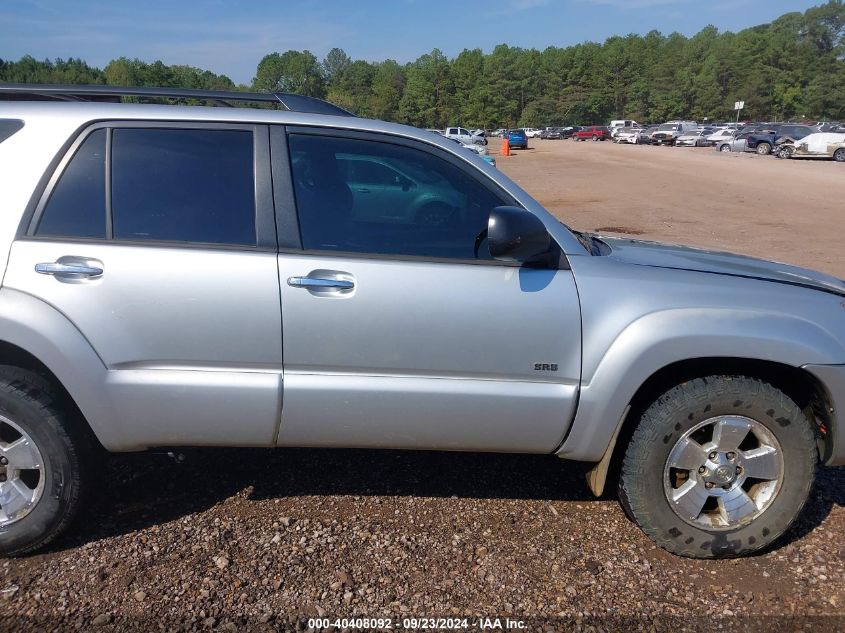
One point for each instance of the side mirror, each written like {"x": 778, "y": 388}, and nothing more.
{"x": 516, "y": 235}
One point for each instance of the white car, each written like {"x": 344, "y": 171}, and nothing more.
{"x": 626, "y": 135}
{"x": 532, "y": 132}
{"x": 464, "y": 136}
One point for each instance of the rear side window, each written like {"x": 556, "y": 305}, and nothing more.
{"x": 183, "y": 185}
{"x": 77, "y": 206}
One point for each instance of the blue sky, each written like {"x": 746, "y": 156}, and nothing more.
{"x": 231, "y": 36}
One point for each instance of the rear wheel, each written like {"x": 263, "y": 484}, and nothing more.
{"x": 764, "y": 149}
{"x": 839, "y": 155}
{"x": 725, "y": 148}
{"x": 595, "y": 138}
{"x": 44, "y": 462}
{"x": 718, "y": 467}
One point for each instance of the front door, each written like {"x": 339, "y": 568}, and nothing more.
{"x": 399, "y": 329}
{"x": 164, "y": 258}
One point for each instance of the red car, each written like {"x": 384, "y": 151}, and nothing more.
{"x": 594, "y": 132}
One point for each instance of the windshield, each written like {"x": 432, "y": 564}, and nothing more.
{"x": 668, "y": 127}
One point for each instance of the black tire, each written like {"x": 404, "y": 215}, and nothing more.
{"x": 37, "y": 407}
{"x": 764, "y": 149}
{"x": 725, "y": 148}
{"x": 839, "y": 155}
{"x": 679, "y": 410}
{"x": 595, "y": 138}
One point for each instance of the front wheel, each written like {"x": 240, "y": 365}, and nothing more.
{"x": 839, "y": 155}
{"x": 725, "y": 148}
{"x": 718, "y": 467}
{"x": 764, "y": 149}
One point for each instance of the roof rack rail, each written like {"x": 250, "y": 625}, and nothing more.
{"x": 39, "y": 92}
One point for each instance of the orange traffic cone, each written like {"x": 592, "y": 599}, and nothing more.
{"x": 506, "y": 147}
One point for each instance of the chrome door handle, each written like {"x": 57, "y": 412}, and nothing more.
{"x": 62, "y": 270}
{"x": 316, "y": 282}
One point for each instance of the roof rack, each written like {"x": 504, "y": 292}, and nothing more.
{"x": 41, "y": 92}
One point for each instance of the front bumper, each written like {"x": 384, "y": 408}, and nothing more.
{"x": 663, "y": 140}
{"x": 833, "y": 379}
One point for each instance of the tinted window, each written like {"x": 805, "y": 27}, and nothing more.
{"x": 77, "y": 206}
{"x": 9, "y": 127}
{"x": 183, "y": 185}
{"x": 370, "y": 197}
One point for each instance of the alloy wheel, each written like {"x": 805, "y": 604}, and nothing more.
{"x": 723, "y": 473}
{"x": 21, "y": 473}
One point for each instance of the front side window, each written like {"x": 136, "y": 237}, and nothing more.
{"x": 183, "y": 185}
{"x": 379, "y": 198}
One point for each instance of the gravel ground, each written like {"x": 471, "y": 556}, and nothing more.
{"x": 246, "y": 540}
{"x": 254, "y": 540}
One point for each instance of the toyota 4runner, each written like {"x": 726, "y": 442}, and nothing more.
{"x": 180, "y": 275}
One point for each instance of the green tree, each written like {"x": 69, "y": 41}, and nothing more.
{"x": 292, "y": 71}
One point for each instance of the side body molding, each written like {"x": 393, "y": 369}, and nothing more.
{"x": 659, "y": 339}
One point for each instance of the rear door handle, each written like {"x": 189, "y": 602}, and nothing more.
{"x": 317, "y": 282}
{"x": 58, "y": 269}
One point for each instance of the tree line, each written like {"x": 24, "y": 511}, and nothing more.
{"x": 791, "y": 68}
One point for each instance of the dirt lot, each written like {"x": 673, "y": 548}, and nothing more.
{"x": 785, "y": 210}
{"x": 254, "y": 540}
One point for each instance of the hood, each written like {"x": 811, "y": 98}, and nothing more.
{"x": 659, "y": 255}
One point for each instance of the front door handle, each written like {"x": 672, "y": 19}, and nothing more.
{"x": 316, "y": 282}
{"x": 58, "y": 269}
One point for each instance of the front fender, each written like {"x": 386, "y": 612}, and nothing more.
{"x": 662, "y": 338}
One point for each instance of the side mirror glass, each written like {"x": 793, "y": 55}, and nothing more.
{"x": 516, "y": 235}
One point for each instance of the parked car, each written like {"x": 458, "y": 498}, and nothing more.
{"x": 762, "y": 141}
{"x": 735, "y": 144}
{"x": 551, "y": 133}
{"x": 237, "y": 259}
{"x": 816, "y": 145}
{"x": 626, "y": 135}
{"x": 694, "y": 138}
{"x": 477, "y": 149}
{"x": 668, "y": 133}
{"x": 724, "y": 134}
{"x": 617, "y": 125}
{"x": 569, "y": 130}
{"x": 532, "y": 132}
{"x": 518, "y": 139}
{"x": 644, "y": 135}
{"x": 500, "y": 132}
{"x": 592, "y": 132}
{"x": 464, "y": 135}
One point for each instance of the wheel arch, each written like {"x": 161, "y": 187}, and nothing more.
{"x": 36, "y": 336}
{"x": 805, "y": 389}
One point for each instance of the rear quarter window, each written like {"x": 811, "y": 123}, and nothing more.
{"x": 9, "y": 127}
{"x": 77, "y": 205}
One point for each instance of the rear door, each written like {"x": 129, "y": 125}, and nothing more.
{"x": 157, "y": 241}
{"x": 396, "y": 334}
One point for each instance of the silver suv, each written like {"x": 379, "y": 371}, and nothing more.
{"x": 207, "y": 276}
